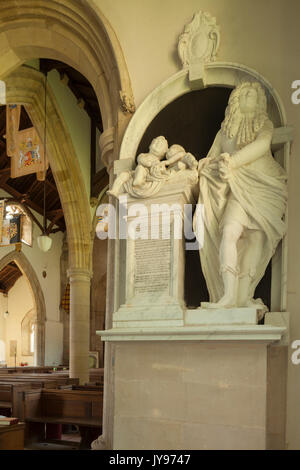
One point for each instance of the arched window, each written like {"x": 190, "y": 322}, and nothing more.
{"x": 28, "y": 333}
{"x": 32, "y": 333}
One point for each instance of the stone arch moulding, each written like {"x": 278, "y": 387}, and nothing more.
{"x": 216, "y": 74}
{"x": 26, "y": 86}
{"x": 25, "y": 266}
{"x": 76, "y": 33}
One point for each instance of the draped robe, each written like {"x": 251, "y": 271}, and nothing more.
{"x": 259, "y": 185}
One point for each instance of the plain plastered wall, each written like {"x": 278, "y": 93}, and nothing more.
{"x": 262, "y": 35}
{"x": 19, "y": 302}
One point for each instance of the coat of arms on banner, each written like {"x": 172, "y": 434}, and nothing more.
{"x": 11, "y": 231}
{"x": 29, "y": 156}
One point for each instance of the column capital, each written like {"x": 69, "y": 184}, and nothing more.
{"x": 79, "y": 274}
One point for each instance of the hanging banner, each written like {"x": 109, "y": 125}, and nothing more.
{"x": 13, "y": 112}
{"x": 11, "y": 231}
{"x": 65, "y": 301}
{"x": 2, "y": 206}
{"x": 29, "y": 155}
{"x": 26, "y": 230}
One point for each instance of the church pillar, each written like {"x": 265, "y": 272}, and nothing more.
{"x": 106, "y": 143}
{"x": 80, "y": 280}
{"x": 39, "y": 343}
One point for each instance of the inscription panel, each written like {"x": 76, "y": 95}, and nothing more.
{"x": 152, "y": 266}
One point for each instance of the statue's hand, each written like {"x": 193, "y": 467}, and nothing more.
{"x": 206, "y": 163}
{"x": 225, "y": 166}
{"x": 225, "y": 157}
{"x": 201, "y": 164}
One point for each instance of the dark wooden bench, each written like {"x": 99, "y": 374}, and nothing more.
{"x": 96, "y": 375}
{"x": 11, "y": 387}
{"x": 40, "y": 381}
{"x": 12, "y": 437}
{"x": 82, "y": 408}
{"x": 31, "y": 369}
{"x": 9, "y": 397}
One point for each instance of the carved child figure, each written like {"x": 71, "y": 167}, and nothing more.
{"x": 178, "y": 159}
{"x": 146, "y": 162}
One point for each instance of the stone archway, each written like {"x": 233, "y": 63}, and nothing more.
{"x": 76, "y": 33}
{"x": 223, "y": 74}
{"x": 25, "y": 267}
{"x": 26, "y": 86}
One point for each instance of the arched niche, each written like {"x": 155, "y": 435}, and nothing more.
{"x": 216, "y": 75}
{"x": 28, "y": 321}
{"x": 34, "y": 285}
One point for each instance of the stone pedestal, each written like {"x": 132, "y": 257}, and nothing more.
{"x": 229, "y": 316}
{"x": 155, "y": 259}
{"x": 196, "y": 387}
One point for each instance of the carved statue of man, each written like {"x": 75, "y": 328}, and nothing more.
{"x": 244, "y": 193}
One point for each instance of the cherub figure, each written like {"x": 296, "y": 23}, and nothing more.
{"x": 146, "y": 162}
{"x": 178, "y": 159}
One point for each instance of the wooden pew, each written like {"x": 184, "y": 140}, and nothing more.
{"x": 11, "y": 386}
{"x": 86, "y": 387}
{"x": 32, "y": 369}
{"x": 9, "y": 396}
{"x": 82, "y": 408}
{"x": 41, "y": 381}
{"x": 96, "y": 375}
{"x": 12, "y": 437}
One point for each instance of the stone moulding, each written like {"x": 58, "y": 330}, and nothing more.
{"x": 227, "y": 74}
{"x": 254, "y": 333}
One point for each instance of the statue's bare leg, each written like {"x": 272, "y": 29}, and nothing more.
{"x": 229, "y": 265}
{"x": 118, "y": 183}
{"x": 248, "y": 266}
{"x": 140, "y": 174}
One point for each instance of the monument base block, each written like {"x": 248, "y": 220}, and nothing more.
{"x": 226, "y": 316}
{"x": 196, "y": 395}
{"x": 199, "y": 387}
{"x": 144, "y": 314}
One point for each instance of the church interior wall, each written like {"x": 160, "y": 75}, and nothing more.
{"x": 19, "y": 301}
{"x": 49, "y": 263}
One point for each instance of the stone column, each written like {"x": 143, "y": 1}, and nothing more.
{"x": 80, "y": 280}
{"x": 39, "y": 343}
{"x": 106, "y": 143}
